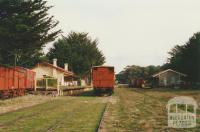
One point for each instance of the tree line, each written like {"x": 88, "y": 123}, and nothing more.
{"x": 186, "y": 58}
{"x": 136, "y": 72}
{"x": 183, "y": 58}
{"x": 26, "y": 28}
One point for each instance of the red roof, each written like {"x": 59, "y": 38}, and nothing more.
{"x": 67, "y": 73}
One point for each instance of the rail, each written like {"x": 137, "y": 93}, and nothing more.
{"x": 101, "y": 123}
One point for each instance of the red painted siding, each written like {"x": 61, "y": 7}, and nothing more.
{"x": 16, "y": 78}
{"x": 103, "y": 77}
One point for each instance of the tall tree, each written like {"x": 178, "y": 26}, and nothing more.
{"x": 25, "y": 28}
{"x": 79, "y": 51}
{"x": 186, "y": 58}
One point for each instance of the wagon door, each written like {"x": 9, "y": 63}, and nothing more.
{"x": 16, "y": 79}
{"x": 2, "y": 78}
{"x": 22, "y": 80}
{"x": 32, "y": 79}
{"x": 95, "y": 77}
{"x": 107, "y": 77}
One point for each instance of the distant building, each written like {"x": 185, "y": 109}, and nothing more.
{"x": 168, "y": 78}
{"x": 63, "y": 75}
{"x": 86, "y": 79}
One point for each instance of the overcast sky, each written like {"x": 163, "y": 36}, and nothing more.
{"x": 130, "y": 32}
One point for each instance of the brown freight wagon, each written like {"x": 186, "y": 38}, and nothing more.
{"x": 15, "y": 81}
{"x": 103, "y": 78}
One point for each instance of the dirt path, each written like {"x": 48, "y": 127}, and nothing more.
{"x": 22, "y": 102}
{"x": 102, "y": 125}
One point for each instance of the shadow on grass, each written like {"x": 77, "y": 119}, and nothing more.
{"x": 166, "y": 89}
{"x": 93, "y": 94}
{"x": 90, "y": 93}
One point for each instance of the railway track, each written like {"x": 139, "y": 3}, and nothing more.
{"x": 143, "y": 93}
{"x": 148, "y": 97}
{"x": 101, "y": 127}
{"x": 101, "y": 123}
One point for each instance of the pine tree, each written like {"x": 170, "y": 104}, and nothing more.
{"x": 79, "y": 51}
{"x": 25, "y": 28}
{"x": 186, "y": 58}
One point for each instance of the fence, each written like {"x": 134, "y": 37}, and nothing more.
{"x": 50, "y": 85}
{"x": 47, "y": 83}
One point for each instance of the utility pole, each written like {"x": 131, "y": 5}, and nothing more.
{"x": 15, "y": 60}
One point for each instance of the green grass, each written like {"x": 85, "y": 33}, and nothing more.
{"x": 127, "y": 110}
{"x": 60, "y": 115}
{"x": 144, "y": 111}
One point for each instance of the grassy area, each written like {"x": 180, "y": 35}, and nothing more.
{"x": 22, "y": 102}
{"x": 60, "y": 115}
{"x": 144, "y": 110}
{"x": 133, "y": 110}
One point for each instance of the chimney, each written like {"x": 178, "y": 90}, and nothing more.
{"x": 55, "y": 62}
{"x": 66, "y": 67}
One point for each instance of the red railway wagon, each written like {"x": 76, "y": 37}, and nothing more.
{"x": 103, "y": 78}
{"x": 29, "y": 78}
{"x": 15, "y": 81}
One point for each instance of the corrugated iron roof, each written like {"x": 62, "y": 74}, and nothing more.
{"x": 155, "y": 75}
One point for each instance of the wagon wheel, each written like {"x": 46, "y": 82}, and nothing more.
{"x": 19, "y": 92}
{"x": 23, "y": 92}
{"x": 1, "y": 94}
{"x": 5, "y": 94}
{"x": 11, "y": 93}
{"x": 14, "y": 93}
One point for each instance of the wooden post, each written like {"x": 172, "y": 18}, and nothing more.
{"x": 159, "y": 80}
{"x": 71, "y": 92}
{"x": 35, "y": 84}
{"x": 62, "y": 93}
{"x": 58, "y": 89}
{"x": 46, "y": 83}
{"x": 186, "y": 107}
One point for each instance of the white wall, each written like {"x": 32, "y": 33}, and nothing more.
{"x": 42, "y": 70}
{"x": 48, "y": 71}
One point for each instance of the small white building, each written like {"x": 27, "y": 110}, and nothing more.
{"x": 63, "y": 75}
